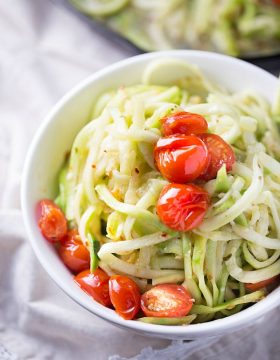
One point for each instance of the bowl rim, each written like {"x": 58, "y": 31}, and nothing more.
{"x": 212, "y": 328}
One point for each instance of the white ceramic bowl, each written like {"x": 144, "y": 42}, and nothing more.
{"x": 55, "y": 137}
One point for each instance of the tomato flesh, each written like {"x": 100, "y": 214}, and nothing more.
{"x": 261, "y": 284}
{"x": 73, "y": 252}
{"x": 219, "y": 152}
{"x": 166, "y": 300}
{"x": 182, "y": 207}
{"x": 125, "y": 296}
{"x": 95, "y": 284}
{"x": 181, "y": 158}
{"x": 52, "y": 222}
{"x": 183, "y": 123}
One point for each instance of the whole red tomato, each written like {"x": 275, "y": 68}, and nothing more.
{"x": 219, "y": 152}
{"x": 73, "y": 252}
{"x": 52, "y": 222}
{"x": 125, "y": 296}
{"x": 95, "y": 284}
{"x": 181, "y": 158}
{"x": 182, "y": 207}
{"x": 183, "y": 123}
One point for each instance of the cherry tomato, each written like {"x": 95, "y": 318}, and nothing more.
{"x": 125, "y": 296}
{"x": 73, "y": 252}
{"x": 261, "y": 284}
{"x": 166, "y": 300}
{"x": 181, "y": 158}
{"x": 95, "y": 284}
{"x": 52, "y": 222}
{"x": 183, "y": 123}
{"x": 220, "y": 153}
{"x": 277, "y": 2}
{"x": 182, "y": 207}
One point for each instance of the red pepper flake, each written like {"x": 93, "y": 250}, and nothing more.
{"x": 67, "y": 154}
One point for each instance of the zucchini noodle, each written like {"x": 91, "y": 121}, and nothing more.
{"x": 235, "y": 27}
{"x": 109, "y": 188}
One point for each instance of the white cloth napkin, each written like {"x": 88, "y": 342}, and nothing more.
{"x": 44, "y": 51}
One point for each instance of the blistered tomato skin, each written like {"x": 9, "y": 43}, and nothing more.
{"x": 182, "y": 207}
{"x": 52, "y": 222}
{"x": 166, "y": 300}
{"x": 125, "y": 296}
{"x": 219, "y": 152}
{"x": 73, "y": 252}
{"x": 95, "y": 284}
{"x": 183, "y": 123}
{"x": 181, "y": 158}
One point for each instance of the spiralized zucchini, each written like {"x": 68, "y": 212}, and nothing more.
{"x": 109, "y": 189}
{"x": 234, "y": 27}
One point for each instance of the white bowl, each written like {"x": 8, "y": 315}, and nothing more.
{"x": 55, "y": 137}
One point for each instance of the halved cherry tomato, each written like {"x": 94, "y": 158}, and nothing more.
{"x": 183, "y": 123}
{"x": 182, "y": 207}
{"x": 95, "y": 284}
{"x": 73, "y": 252}
{"x": 125, "y": 296}
{"x": 261, "y": 284}
{"x": 181, "y": 158}
{"x": 52, "y": 222}
{"x": 220, "y": 153}
{"x": 166, "y": 300}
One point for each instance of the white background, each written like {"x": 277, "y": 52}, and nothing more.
{"x": 44, "y": 51}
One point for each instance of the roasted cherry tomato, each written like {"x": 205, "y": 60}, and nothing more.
{"x": 181, "y": 158}
{"x": 220, "y": 153}
{"x": 52, "y": 222}
{"x": 261, "y": 284}
{"x": 166, "y": 300}
{"x": 182, "y": 207}
{"x": 95, "y": 284}
{"x": 125, "y": 296}
{"x": 73, "y": 252}
{"x": 183, "y": 123}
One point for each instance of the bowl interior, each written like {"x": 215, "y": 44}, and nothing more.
{"x": 55, "y": 138}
